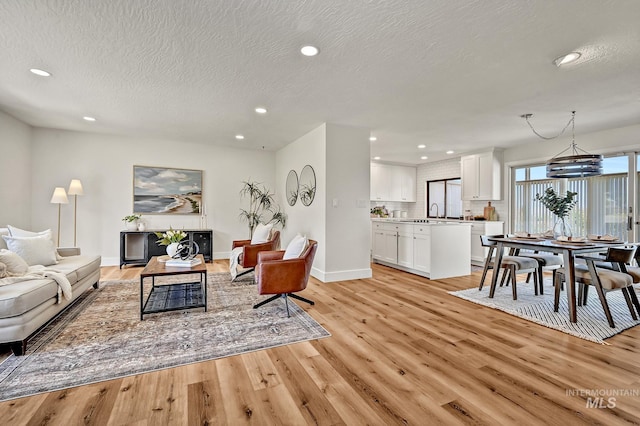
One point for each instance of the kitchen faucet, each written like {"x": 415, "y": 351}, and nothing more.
{"x": 431, "y": 208}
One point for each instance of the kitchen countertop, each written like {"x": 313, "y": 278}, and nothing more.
{"x": 431, "y": 220}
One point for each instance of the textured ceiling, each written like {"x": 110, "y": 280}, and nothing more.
{"x": 447, "y": 74}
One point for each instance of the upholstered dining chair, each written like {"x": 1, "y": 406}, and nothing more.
{"x": 546, "y": 261}
{"x": 605, "y": 279}
{"x": 248, "y": 259}
{"x": 284, "y": 277}
{"x": 512, "y": 266}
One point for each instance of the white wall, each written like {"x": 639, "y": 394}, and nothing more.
{"x": 15, "y": 172}
{"x": 306, "y": 220}
{"x": 104, "y": 164}
{"x": 348, "y": 224}
{"x": 340, "y": 158}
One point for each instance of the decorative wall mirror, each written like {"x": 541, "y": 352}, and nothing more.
{"x": 307, "y": 185}
{"x": 292, "y": 187}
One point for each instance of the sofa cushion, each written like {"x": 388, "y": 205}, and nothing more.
{"x": 77, "y": 268}
{"x": 18, "y": 298}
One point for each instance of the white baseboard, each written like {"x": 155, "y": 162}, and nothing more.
{"x": 110, "y": 261}
{"x": 221, "y": 255}
{"x": 352, "y": 274}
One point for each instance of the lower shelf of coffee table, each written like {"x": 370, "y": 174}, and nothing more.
{"x": 174, "y": 297}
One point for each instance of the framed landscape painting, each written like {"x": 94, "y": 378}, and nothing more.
{"x": 161, "y": 190}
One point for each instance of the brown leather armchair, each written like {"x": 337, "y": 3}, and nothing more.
{"x": 284, "y": 277}
{"x": 249, "y": 256}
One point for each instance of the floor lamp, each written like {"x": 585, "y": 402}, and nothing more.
{"x": 59, "y": 197}
{"x": 75, "y": 189}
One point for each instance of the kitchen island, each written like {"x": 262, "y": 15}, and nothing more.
{"x": 433, "y": 248}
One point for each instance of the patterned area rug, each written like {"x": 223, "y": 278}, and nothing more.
{"x": 592, "y": 323}
{"x": 101, "y": 336}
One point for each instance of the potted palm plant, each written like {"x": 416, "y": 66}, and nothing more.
{"x": 262, "y": 206}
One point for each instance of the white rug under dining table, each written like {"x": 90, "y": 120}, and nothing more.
{"x": 592, "y": 323}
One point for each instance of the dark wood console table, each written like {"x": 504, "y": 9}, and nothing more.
{"x": 138, "y": 247}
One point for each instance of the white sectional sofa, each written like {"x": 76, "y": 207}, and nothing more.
{"x": 28, "y": 305}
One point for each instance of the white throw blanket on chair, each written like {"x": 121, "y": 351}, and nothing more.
{"x": 233, "y": 262}
{"x": 38, "y": 272}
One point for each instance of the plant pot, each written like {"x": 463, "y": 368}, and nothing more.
{"x": 172, "y": 249}
{"x": 132, "y": 226}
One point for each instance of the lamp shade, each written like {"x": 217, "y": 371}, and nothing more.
{"x": 59, "y": 196}
{"x": 75, "y": 187}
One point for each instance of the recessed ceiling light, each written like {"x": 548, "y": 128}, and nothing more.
{"x": 309, "y": 50}
{"x": 567, "y": 59}
{"x": 373, "y": 139}
{"x": 239, "y": 137}
{"x": 261, "y": 110}
{"x": 87, "y": 118}
{"x": 424, "y": 157}
{"x": 41, "y": 73}
{"x": 422, "y": 146}
{"x": 450, "y": 152}
{"x": 376, "y": 158}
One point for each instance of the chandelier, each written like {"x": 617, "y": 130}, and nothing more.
{"x": 578, "y": 164}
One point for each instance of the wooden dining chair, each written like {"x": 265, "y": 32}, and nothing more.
{"x": 613, "y": 277}
{"x": 512, "y": 266}
{"x": 546, "y": 261}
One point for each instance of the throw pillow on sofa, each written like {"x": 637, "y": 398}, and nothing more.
{"x": 16, "y": 266}
{"x": 34, "y": 250}
{"x": 17, "y": 232}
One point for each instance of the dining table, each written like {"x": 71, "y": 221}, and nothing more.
{"x": 568, "y": 249}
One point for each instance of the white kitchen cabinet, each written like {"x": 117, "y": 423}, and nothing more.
{"x": 479, "y": 253}
{"x": 405, "y": 247}
{"x": 481, "y": 176}
{"x": 390, "y": 251}
{"x": 433, "y": 250}
{"x": 380, "y": 182}
{"x": 422, "y": 248}
{"x": 378, "y": 246}
{"x": 393, "y": 183}
{"x": 385, "y": 242}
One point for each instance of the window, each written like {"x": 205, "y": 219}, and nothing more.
{"x": 601, "y": 207}
{"x": 444, "y": 198}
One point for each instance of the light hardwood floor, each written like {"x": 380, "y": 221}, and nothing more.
{"x": 402, "y": 351}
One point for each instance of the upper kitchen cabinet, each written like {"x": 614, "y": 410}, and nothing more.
{"x": 482, "y": 176}
{"x": 393, "y": 183}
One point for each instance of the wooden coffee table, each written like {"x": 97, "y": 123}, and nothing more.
{"x": 174, "y": 296}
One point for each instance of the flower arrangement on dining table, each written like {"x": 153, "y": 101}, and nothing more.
{"x": 560, "y": 206}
